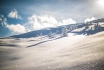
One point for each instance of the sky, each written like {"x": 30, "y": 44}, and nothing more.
{"x": 21, "y": 16}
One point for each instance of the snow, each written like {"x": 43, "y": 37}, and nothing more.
{"x": 75, "y": 52}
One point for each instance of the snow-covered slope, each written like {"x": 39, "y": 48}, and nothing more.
{"x": 83, "y": 49}
{"x": 75, "y": 52}
{"x": 45, "y": 31}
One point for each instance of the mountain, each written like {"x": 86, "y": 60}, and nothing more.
{"x": 82, "y": 49}
{"x": 74, "y": 52}
{"x": 44, "y": 32}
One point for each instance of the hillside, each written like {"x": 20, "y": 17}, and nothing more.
{"x": 44, "y": 31}
{"x": 78, "y": 51}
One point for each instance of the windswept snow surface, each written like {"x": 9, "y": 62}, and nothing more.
{"x": 75, "y": 52}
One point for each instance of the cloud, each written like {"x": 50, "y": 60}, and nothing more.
{"x": 36, "y": 22}
{"x": 68, "y": 21}
{"x": 0, "y": 19}
{"x": 89, "y": 19}
{"x": 14, "y": 14}
{"x": 16, "y": 28}
{"x": 43, "y": 21}
{"x": 4, "y": 22}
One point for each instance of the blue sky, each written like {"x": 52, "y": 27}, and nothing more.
{"x": 20, "y": 16}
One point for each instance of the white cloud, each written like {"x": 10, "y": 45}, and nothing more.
{"x": 16, "y": 28}
{"x": 14, "y": 14}
{"x": 0, "y": 19}
{"x": 35, "y": 23}
{"x": 68, "y": 21}
{"x": 43, "y": 21}
{"x": 89, "y": 19}
{"x": 39, "y": 22}
{"x": 4, "y": 22}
